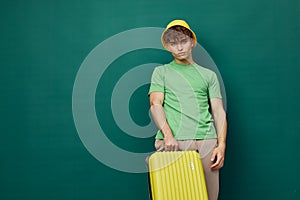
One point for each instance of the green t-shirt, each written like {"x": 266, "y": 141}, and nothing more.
{"x": 187, "y": 89}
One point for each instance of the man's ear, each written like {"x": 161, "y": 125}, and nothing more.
{"x": 192, "y": 40}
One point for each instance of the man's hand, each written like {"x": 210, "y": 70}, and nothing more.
{"x": 171, "y": 143}
{"x": 217, "y": 157}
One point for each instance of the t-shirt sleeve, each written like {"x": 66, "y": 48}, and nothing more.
{"x": 214, "y": 87}
{"x": 157, "y": 81}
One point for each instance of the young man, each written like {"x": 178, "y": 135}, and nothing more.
{"x": 186, "y": 105}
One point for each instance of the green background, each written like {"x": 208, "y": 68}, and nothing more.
{"x": 255, "y": 45}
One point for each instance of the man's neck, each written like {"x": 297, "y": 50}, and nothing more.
{"x": 184, "y": 61}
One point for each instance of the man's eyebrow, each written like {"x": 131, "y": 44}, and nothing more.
{"x": 183, "y": 37}
{"x": 178, "y": 39}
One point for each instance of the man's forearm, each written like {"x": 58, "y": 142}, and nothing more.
{"x": 160, "y": 120}
{"x": 166, "y": 131}
{"x": 221, "y": 126}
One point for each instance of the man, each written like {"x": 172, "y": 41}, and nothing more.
{"x": 186, "y": 105}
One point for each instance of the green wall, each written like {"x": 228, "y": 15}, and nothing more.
{"x": 255, "y": 45}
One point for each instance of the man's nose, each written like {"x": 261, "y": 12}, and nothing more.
{"x": 179, "y": 47}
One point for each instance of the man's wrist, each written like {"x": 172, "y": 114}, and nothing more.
{"x": 222, "y": 145}
{"x": 166, "y": 131}
{"x": 168, "y": 134}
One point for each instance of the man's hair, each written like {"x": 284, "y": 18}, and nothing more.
{"x": 175, "y": 32}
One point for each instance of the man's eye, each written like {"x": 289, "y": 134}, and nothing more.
{"x": 172, "y": 43}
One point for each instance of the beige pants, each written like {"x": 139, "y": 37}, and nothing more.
{"x": 205, "y": 149}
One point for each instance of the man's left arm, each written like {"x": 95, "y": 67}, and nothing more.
{"x": 219, "y": 116}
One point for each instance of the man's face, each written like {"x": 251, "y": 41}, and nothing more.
{"x": 181, "y": 47}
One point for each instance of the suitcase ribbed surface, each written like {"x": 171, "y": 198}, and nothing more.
{"x": 177, "y": 175}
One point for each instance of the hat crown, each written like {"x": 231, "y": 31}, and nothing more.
{"x": 178, "y": 22}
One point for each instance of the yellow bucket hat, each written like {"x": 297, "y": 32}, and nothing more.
{"x": 178, "y": 22}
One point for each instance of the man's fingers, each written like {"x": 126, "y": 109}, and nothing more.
{"x": 219, "y": 162}
{"x": 176, "y": 147}
{"x": 216, "y": 164}
{"x": 213, "y": 156}
{"x": 171, "y": 147}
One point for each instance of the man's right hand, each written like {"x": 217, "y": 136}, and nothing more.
{"x": 171, "y": 143}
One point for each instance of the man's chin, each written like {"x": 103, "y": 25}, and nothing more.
{"x": 181, "y": 57}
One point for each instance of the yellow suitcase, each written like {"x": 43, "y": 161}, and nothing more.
{"x": 177, "y": 175}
